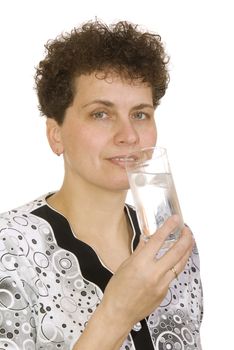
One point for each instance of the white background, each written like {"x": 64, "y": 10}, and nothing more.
{"x": 194, "y": 121}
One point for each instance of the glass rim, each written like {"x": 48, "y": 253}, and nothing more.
{"x": 143, "y": 157}
{"x": 143, "y": 149}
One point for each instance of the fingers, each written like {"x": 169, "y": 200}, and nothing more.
{"x": 175, "y": 271}
{"x": 157, "y": 240}
{"x": 184, "y": 244}
{"x": 178, "y": 255}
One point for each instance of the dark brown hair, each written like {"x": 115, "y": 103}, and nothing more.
{"x": 96, "y": 47}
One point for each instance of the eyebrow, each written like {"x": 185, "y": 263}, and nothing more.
{"x": 103, "y": 102}
{"x": 143, "y": 105}
{"x": 111, "y": 104}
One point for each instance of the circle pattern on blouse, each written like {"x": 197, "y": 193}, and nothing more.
{"x": 44, "y": 298}
{"x": 45, "y": 301}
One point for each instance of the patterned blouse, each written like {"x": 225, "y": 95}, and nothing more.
{"x": 51, "y": 283}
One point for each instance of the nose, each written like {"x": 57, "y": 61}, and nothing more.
{"x": 126, "y": 133}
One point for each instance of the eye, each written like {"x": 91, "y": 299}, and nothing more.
{"x": 99, "y": 115}
{"x": 140, "y": 115}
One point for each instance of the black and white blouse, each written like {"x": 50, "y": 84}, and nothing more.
{"x": 51, "y": 283}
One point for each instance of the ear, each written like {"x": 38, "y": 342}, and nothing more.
{"x": 53, "y": 131}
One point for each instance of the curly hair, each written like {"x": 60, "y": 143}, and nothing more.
{"x": 96, "y": 47}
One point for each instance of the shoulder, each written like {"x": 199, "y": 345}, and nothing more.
{"x": 19, "y": 226}
{"x": 20, "y": 214}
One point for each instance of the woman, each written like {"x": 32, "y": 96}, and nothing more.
{"x": 74, "y": 273}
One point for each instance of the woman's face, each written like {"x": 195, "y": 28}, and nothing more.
{"x": 108, "y": 118}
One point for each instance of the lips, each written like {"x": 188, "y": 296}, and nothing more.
{"x": 121, "y": 160}
{"x": 124, "y": 159}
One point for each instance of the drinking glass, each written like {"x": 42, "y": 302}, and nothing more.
{"x": 153, "y": 191}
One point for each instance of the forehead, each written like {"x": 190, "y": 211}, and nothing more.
{"x": 102, "y": 84}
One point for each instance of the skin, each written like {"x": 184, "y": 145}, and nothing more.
{"x": 107, "y": 119}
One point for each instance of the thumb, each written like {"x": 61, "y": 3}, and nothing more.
{"x": 140, "y": 245}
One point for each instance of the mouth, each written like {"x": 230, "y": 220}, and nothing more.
{"x": 121, "y": 160}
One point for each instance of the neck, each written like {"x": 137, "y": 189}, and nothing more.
{"x": 97, "y": 217}
{"x": 90, "y": 209}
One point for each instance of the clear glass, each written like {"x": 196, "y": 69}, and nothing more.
{"x": 153, "y": 191}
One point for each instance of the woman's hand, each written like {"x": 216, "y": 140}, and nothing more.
{"x": 136, "y": 289}
{"x": 141, "y": 282}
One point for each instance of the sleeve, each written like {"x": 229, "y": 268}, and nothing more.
{"x": 195, "y": 296}
{"x": 17, "y": 317}
{"x": 196, "y": 284}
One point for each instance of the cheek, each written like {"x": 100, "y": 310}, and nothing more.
{"x": 150, "y": 137}
{"x": 153, "y": 135}
{"x": 84, "y": 141}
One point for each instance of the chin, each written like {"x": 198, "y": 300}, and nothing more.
{"x": 118, "y": 186}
